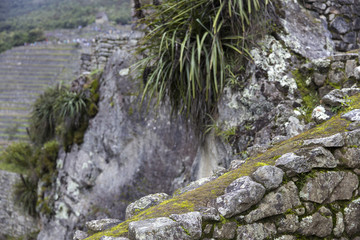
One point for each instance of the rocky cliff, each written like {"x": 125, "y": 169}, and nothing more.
{"x": 129, "y": 152}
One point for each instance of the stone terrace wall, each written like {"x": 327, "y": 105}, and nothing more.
{"x": 312, "y": 193}
{"x": 342, "y": 18}
{"x": 13, "y": 221}
{"x": 104, "y": 46}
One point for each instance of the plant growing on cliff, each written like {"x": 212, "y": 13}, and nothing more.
{"x": 187, "y": 47}
{"x": 43, "y": 116}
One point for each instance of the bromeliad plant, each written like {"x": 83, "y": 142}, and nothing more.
{"x": 187, "y": 47}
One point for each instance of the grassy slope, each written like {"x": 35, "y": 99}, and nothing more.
{"x": 193, "y": 200}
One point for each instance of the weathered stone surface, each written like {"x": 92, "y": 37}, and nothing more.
{"x": 319, "y": 115}
{"x": 286, "y": 237}
{"x": 301, "y": 29}
{"x": 336, "y": 77}
{"x": 319, "y": 79}
{"x": 193, "y": 185}
{"x": 113, "y": 238}
{"x": 239, "y": 196}
{"x": 340, "y": 25}
{"x": 316, "y": 225}
{"x": 339, "y": 226}
{"x": 208, "y": 228}
{"x": 321, "y": 158}
{"x": 256, "y": 231}
{"x": 269, "y": 176}
{"x": 225, "y": 231}
{"x": 353, "y": 115}
{"x": 102, "y": 224}
{"x": 329, "y": 187}
{"x": 145, "y": 203}
{"x": 293, "y": 164}
{"x": 276, "y": 202}
{"x": 191, "y": 222}
{"x": 357, "y": 73}
{"x": 352, "y": 138}
{"x": 157, "y": 229}
{"x": 337, "y": 97}
{"x": 350, "y": 67}
{"x": 352, "y": 216}
{"x": 309, "y": 206}
{"x": 210, "y": 214}
{"x": 80, "y": 235}
{"x": 288, "y": 224}
{"x": 236, "y": 164}
{"x": 350, "y": 157}
{"x": 336, "y": 140}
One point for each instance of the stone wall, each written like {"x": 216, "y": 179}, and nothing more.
{"x": 311, "y": 193}
{"x": 342, "y": 18}
{"x": 104, "y": 46}
{"x": 13, "y": 222}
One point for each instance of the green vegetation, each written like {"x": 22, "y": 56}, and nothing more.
{"x": 23, "y": 21}
{"x": 308, "y": 93}
{"x": 188, "y": 49}
{"x": 59, "y": 118}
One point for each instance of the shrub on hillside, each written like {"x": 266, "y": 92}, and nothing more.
{"x": 19, "y": 155}
{"x": 189, "y": 47}
{"x": 43, "y": 116}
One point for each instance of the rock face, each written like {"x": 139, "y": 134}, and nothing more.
{"x": 302, "y": 29}
{"x": 13, "y": 221}
{"x": 125, "y": 155}
{"x": 330, "y": 186}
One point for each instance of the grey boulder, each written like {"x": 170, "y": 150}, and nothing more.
{"x": 102, "y": 224}
{"x": 191, "y": 222}
{"x": 275, "y": 203}
{"x": 293, "y": 164}
{"x": 352, "y": 216}
{"x": 353, "y": 115}
{"x": 336, "y": 140}
{"x": 269, "y": 176}
{"x": 316, "y": 225}
{"x": 162, "y": 228}
{"x": 329, "y": 187}
{"x": 144, "y": 203}
{"x": 239, "y": 196}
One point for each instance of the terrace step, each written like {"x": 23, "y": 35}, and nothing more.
{"x": 25, "y": 73}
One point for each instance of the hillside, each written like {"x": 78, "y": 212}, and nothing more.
{"x": 25, "y": 72}
{"x": 24, "y": 21}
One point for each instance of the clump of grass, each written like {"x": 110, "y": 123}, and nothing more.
{"x": 25, "y": 194}
{"x": 43, "y": 116}
{"x": 187, "y": 47}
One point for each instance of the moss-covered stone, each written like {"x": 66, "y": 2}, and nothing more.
{"x": 193, "y": 200}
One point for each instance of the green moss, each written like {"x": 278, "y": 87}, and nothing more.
{"x": 261, "y": 164}
{"x": 92, "y": 110}
{"x": 308, "y": 93}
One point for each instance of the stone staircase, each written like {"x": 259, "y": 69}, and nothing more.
{"x": 25, "y": 72}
